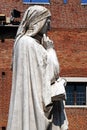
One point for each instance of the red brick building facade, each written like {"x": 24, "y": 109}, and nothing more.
{"x": 69, "y": 33}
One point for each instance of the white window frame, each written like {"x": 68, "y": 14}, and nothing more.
{"x": 77, "y": 79}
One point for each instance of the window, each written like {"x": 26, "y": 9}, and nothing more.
{"x": 36, "y": 1}
{"x": 76, "y": 93}
{"x": 83, "y": 2}
{"x": 65, "y": 1}
{"x": 3, "y": 128}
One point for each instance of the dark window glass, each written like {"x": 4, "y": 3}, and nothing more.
{"x": 3, "y": 128}
{"x": 76, "y": 94}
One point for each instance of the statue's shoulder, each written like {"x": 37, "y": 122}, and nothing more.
{"x": 29, "y": 41}
{"x": 27, "y": 38}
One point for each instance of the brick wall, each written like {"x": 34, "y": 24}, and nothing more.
{"x": 71, "y": 49}
{"x": 69, "y": 33}
{"x": 70, "y": 15}
{"x": 5, "y": 79}
{"x": 77, "y": 118}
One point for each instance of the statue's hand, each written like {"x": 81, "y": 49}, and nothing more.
{"x": 46, "y": 42}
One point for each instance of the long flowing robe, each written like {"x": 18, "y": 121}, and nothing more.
{"x": 34, "y": 67}
{"x": 30, "y": 86}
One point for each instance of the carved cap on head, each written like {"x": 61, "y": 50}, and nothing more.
{"x": 33, "y": 20}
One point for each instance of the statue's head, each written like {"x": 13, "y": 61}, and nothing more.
{"x": 36, "y": 20}
{"x": 46, "y": 26}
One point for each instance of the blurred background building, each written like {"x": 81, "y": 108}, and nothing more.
{"x": 69, "y": 33}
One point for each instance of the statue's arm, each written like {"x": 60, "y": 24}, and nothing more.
{"x": 53, "y": 64}
{"x": 52, "y": 58}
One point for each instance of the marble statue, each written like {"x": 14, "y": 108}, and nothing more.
{"x": 35, "y": 68}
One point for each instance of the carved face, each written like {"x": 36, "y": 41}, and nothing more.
{"x": 46, "y": 27}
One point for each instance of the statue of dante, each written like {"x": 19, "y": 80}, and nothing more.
{"x": 35, "y": 68}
